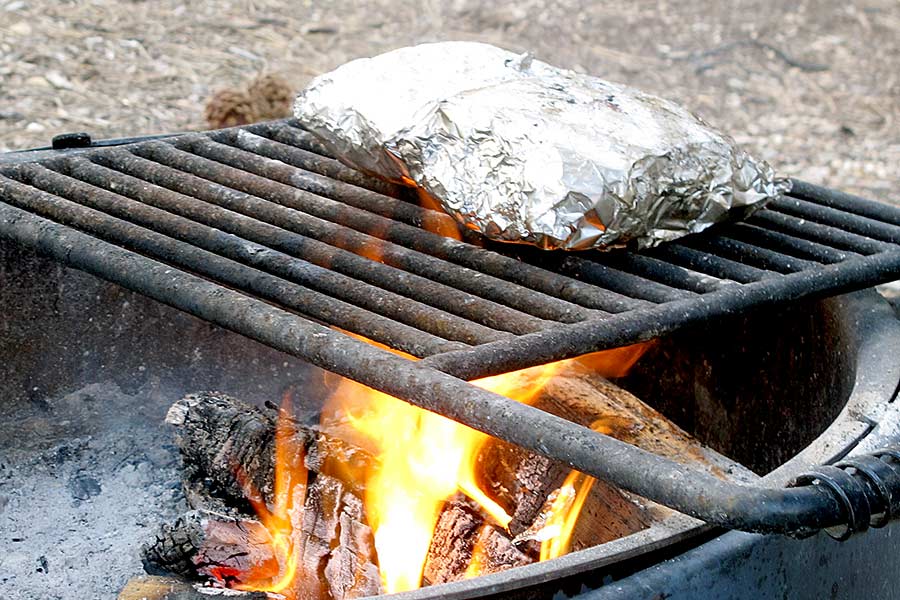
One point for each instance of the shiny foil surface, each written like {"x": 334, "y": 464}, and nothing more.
{"x": 522, "y": 151}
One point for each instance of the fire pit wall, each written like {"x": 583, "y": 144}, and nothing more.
{"x": 757, "y": 387}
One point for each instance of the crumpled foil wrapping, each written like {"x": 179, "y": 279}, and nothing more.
{"x": 522, "y": 151}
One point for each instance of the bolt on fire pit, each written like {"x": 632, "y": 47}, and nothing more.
{"x": 256, "y": 229}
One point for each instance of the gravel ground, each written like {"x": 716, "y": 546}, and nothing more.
{"x": 813, "y": 87}
{"x": 84, "y": 480}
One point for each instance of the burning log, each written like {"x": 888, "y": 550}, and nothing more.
{"x": 520, "y": 481}
{"x": 338, "y": 545}
{"x": 464, "y": 544}
{"x": 229, "y": 450}
{"x": 201, "y": 544}
{"x": 511, "y": 507}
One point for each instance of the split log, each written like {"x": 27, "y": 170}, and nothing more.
{"x": 582, "y": 396}
{"x": 200, "y": 545}
{"x": 228, "y": 450}
{"x": 227, "y": 447}
{"x": 461, "y": 537}
{"x": 520, "y": 481}
{"x": 338, "y": 546}
{"x": 154, "y": 587}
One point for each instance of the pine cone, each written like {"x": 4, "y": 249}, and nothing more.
{"x": 229, "y": 108}
{"x": 271, "y": 96}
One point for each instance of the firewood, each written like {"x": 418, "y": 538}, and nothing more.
{"x": 339, "y": 543}
{"x": 520, "y": 481}
{"x": 582, "y": 396}
{"x": 152, "y": 587}
{"x": 202, "y": 545}
{"x": 227, "y": 443}
{"x": 227, "y": 448}
{"x": 461, "y": 534}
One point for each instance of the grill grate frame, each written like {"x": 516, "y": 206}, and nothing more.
{"x": 257, "y": 229}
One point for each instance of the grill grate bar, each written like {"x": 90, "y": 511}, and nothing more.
{"x": 304, "y": 159}
{"x": 197, "y": 223}
{"x": 636, "y": 326}
{"x": 693, "y": 492}
{"x": 621, "y": 281}
{"x": 787, "y": 244}
{"x": 557, "y": 287}
{"x": 817, "y": 232}
{"x": 863, "y": 226}
{"x": 289, "y": 132}
{"x": 377, "y": 205}
{"x": 654, "y": 269}
{"x": 208, "y": 264}
{"x": 704, "y": 262}
{"x": 296, "y": 206}
{"x": 749, "y": 254}
{"x": 842, "y": 201}
{"x": 238, "y": 229}
{"x": 253, "y": 218}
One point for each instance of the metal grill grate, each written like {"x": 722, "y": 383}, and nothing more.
{"x": 258, "y": 230}
{"x": 266, "y": 211}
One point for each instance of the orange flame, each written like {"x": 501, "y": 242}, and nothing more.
{"x": 479, "y": 556}
{"x": 288, "y": 497}
{"x": 566, "y": 509}
{"x": 423, "y": 459}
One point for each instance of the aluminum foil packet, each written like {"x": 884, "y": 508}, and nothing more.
{"x": 522, "y": 151}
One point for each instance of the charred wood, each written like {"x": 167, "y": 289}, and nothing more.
{"x": 466, "y": 544}
{"x": 202, "y": 545}
{"x": 227, "y": 448}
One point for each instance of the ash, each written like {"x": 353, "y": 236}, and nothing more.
{"x": 83, "y": 480}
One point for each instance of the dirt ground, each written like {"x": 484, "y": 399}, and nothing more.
{"x": 813, "y": 87}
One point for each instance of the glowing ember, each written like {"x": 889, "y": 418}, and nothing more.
{"x": 476, "y": 563}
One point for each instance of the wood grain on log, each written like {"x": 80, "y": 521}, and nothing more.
{"x": 152, "y": 587}
{"x": 227, "y": 447}
{"x": 462, "y": 533}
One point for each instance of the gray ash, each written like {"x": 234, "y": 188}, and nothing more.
{"x": 83, "y": 480}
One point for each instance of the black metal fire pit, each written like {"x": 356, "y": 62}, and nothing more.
{"x": 256, "y": 231}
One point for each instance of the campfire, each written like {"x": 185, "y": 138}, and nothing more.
{"x": 260, "y": 233}
{"x": 380, "y": 496}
